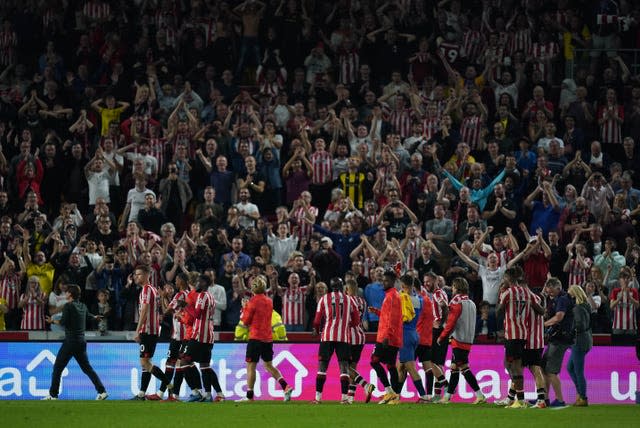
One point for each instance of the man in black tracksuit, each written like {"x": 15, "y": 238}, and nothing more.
{"x": 74, "y": 319}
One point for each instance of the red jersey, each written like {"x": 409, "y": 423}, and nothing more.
{"x": 439, "y": 299}
{"x": 624, "y": 314}
{"x": 424, "y": 327}
{"x": 339, "y": 314}
{"x": 33, "y": 312}
{"x": 203, "y": 324}
{"x": 535, "y": 325}
{"x": 257, "y": 316}
{"x": 322, "y": 163}
{"x": 149, "y": 296}
{"x": 179, "y": 330}
{"x": 611, "y": 129}
{"x": 357, "y": 333}
{"x": 390, "y": 324}
{"x": 470, "y": 128}
{"x": 10, "y": 289}
{"x": 187, "y": 316}
{"x": 516, "y": 302}
{"x": 293, "y": 305}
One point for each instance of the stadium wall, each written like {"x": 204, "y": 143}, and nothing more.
{"x": 25, "y": 371}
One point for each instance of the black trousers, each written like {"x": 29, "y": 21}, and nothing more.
{"x": 77, "y": 350}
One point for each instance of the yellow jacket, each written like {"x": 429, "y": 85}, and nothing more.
{"x": 277, "y": 328}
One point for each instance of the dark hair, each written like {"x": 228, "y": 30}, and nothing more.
{"x": 74, "y": 290}
{"x": 143, "y": 268}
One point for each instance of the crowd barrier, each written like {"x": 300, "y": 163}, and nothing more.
{"x": 25, "y": 372}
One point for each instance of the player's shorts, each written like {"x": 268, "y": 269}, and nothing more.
{"x": 552, "y": 357}
{"x": 460, "y": 356}
{"x": 423, "y": 353}
{"x": 257, "y": 350}
{"x": 191, "y": 351}
{"x": 148, "y": 344}
{"x": 438, "y": 352}
{"x": 199, "y": 352}
{"x": 385, "y": 354}
{"x": 356, "y": 353}
{"x": 514, "y": 349}
{"x": 174, "y": 349}
{"x": 409, "y": 344}
{"x": 532, "y": 357}
{"x": 342, "y": 350}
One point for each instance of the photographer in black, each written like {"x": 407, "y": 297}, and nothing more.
{"x": 74, "y": 319}
{"x": 561, "y": 335}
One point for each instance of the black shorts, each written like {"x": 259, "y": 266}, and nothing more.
{"x": 257, "y": 350}
{"x": 356, "y": 353}
{"x": 532, "y": 357}
{"x": 198, "y": 352}
{"x": 385, "y": 354}
{"x": 148, "y": 344}
{"x": 174, "y": 349}
{"x": 438, "y": 352}
{"x": 514, "y": 349}
{"x": 424, "y": 353}
{"x": 460, "y": 356}
{"x": 326, "y": 350}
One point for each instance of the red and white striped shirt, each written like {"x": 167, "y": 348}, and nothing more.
{"x": 179, "y": 330}
{"x": 535, "y": 325}
{"x": 203, "y": 325}
{"x": 349, "y": 62}
{"x": 521, "y": 41}
{"x": 430, "y": 126}
{"x": 470, "y": 131}
{"x": 149, "y": 296}
{"x": 472, "y": 44}
{"x": 304, "y": 229}
{"x": 611, "y": 130}
{"x": 293, "y": 305}
{"x": 540, "y": 53}
{"x": 400, "y": 121}
{"x": 96, "y": 10}
{"x": 339, "y": 313}
{"x": 412, "y": 252}
{"x": 578, "y": 274}
{"x": 33, "y": 312}
{"x": 516, "y": 302}
{"x": 10, "y": 289}
{"x": 439, "y": 299}
{"x": 357, "y": 333}
{"x": 157, "y": 149}
{"x": 8, "y": 42}
{"x": 624, "y": 314}
{"x": 322, "y": 164}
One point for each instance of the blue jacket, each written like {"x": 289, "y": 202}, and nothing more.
{"x": 344, "y": 244}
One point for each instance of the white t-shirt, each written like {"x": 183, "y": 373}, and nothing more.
{"x": 58, "y": 301}
{"x": 136, "y": 199}
{"x": 247, "y": 208}
{"x": 118, "y": 160}
{"x": 220, "y": 297}
{"x": 98, "y": 186}
{"x": 491, "y": 280}
{"x": 150, "y": 162}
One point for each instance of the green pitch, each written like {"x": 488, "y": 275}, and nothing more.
{"x": 89, "y": 414}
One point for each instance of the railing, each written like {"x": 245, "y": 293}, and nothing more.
{"x": 631, "y": 58}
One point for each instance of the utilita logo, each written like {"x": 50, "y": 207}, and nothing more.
{"x": 11, "y": 377}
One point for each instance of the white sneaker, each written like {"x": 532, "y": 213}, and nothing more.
{"x": 504, "y": 402}
{"x": 48, "y": 397}
{"x": 102, "y": 396}
{"x": 244, "y": 400}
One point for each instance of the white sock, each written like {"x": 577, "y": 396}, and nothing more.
{"x": 141, "y": 393}
{"x": 318, "y": 396}
{"x": 345, "y": 397}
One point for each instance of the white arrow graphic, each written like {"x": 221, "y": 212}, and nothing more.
{"x": 301, "y": 373}
{"x": 45, "y": 354}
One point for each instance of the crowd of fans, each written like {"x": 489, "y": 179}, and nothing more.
{"x": 305, "y": 140}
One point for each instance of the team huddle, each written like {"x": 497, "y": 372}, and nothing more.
{"x": 416, "y": 322}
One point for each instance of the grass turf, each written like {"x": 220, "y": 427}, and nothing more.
{"x": 261, "y": 414}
